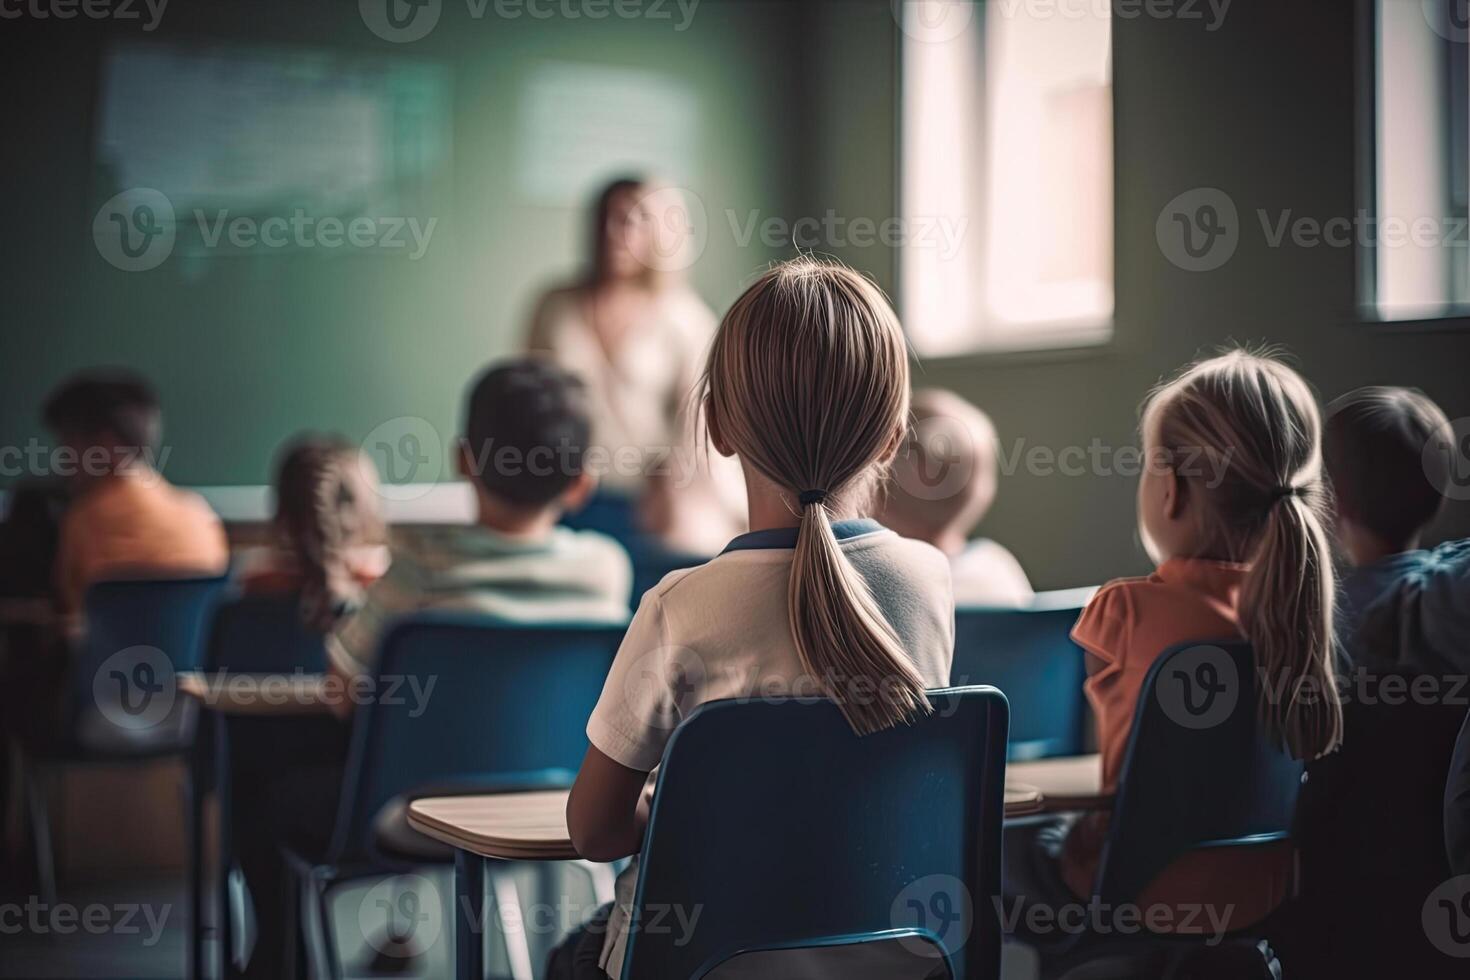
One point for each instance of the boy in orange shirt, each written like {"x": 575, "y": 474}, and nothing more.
{"x": 125, "y": 518}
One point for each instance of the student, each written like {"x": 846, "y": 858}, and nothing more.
{"x": 807, "y": 385}
{"x": 953, "y": 440}
{"x": 1231, "y": 507}
{"x": 1389, "y": 452}
{"x": 124, "y": 518}
{"x": 330, "y": 536}
{"x": 525, "y": 432}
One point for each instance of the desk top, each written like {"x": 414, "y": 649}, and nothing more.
{"x": 258, "y": 694}
{"x": 532, "y": 826}
{"x": 1068, "y": 783}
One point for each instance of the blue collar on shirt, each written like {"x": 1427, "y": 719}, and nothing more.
{"x": 785, "y": 537}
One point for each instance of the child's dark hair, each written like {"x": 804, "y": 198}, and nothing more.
{"x": 326, "y": 505}
{"x": 115, "y": 401}
{"x": 1387, "y": 452}
{"x": 526, "y": 431}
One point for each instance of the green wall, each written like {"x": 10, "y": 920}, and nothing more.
{"x": 799, "y": 116}
{"x": 1263, "y": 108}
{"x": 256, "y": 348}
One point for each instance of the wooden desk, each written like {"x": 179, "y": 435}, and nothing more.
{"x": 532, "y": 826}
{"x": 260, "y": 694}
{"x": 1070, "y": 783}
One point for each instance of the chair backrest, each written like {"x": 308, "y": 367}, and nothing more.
{"x": 1199, "y": 772}
{"x": 465, "y": 701}
{"x": 263, "y": 634}
{"x": 1028, "y": 653}
{"x": 781, "y": 829}
{"x": 139, "y": 633}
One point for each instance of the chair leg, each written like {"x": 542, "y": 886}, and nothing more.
{"x": 604, "y": 882}
{"x": 330, "y": 966}
{"x": 40, "y": 819}
{"x": 469, "y": 916}
{"x": 517, "y": 945}
{"x": 194, "y": 830}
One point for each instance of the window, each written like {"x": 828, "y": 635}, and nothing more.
{"x": 1007, "y": 147}
{"x": 1417, "y": 263}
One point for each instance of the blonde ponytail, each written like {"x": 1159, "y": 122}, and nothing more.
{"x": 842, "y": 637}
{"x": 808, "y": 382}
{"x": 1286, "y": 610}
{"x": 1244, "y": 433}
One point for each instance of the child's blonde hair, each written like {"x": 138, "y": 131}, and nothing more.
{"x": 808, "y": 383}
{"x": 1243, "y": 432}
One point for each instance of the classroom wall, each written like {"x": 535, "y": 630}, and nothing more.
{"x": 799, "y": 120}
{"x": 249, "y": 350}
{"x": 1263, "y": 108}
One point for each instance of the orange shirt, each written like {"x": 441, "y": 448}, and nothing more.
{"x": 1133, "y": 620}
{"x": 1126, "y": 626}
{"x": 136, "y": 521}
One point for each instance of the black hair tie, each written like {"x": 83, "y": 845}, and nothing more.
{"x": 1281, "y": 493}
{"x": 809, "y": 497}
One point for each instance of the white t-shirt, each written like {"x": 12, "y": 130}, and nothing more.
{"x": 721, "y": 630}
{"x": 987, "y": 574}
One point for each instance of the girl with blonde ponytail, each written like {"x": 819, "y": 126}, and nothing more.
{"x": 807, "y": 385}
{"x": 1231, "y": 507}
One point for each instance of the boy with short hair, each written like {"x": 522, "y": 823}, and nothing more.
{"x": 942, "y": 485}
{"x": 526, "y": 430}
{"x": 124, "y": 517}
{"x": 1389, "y": 453}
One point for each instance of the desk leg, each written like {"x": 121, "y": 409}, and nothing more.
{"x": 469, "y": 917}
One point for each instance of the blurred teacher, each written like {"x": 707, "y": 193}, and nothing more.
{"x": 637, "y": 335}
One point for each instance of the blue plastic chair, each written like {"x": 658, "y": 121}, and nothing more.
{"x": 122, "y": 705}
{"x": 253, "y": 634}
{"x": 786, "y": 830}
{"x": 508, "y": 711}
{"x": 1028, "y": 653}
{"x": 1198, "y": 774}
